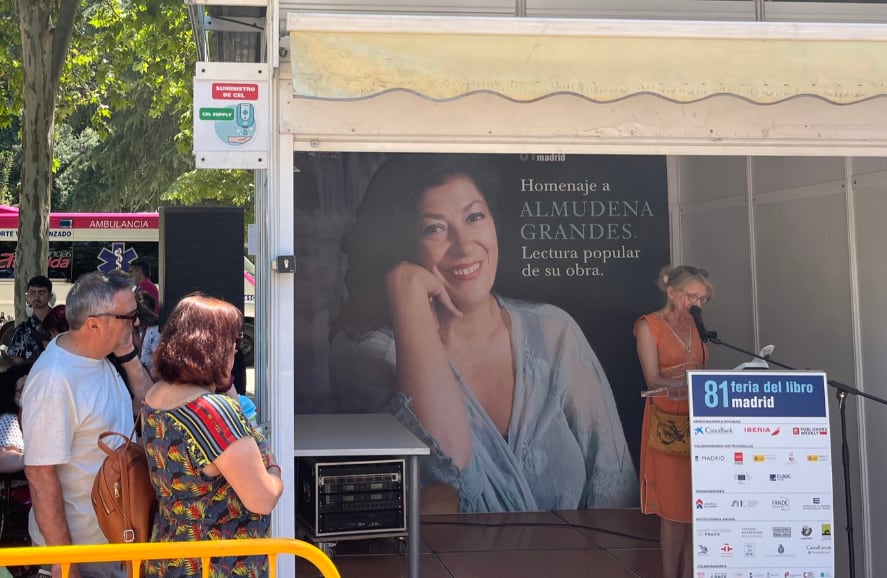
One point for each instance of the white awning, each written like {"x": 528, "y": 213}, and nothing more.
{"x": 349, "y": 57}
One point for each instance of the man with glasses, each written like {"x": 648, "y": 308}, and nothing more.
{"x": 73, "y": 394}
{"x": 29, "y": 337}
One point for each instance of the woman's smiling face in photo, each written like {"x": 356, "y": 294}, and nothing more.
{"x": 457, "y": 240}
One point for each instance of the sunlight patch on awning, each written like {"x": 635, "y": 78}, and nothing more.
{"x": 444, "y": 58}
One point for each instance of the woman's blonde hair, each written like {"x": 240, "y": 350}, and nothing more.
{"x": 682, "y": 275}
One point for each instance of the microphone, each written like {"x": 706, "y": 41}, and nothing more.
{"x": 704, "y": 334}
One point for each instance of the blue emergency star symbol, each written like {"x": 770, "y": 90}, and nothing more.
{"x": 118, "y": 257}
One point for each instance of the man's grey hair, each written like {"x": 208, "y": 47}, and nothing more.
{"x": 93, "y": 294}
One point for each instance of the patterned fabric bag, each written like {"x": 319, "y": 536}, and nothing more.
{"x": 669, "y": 433}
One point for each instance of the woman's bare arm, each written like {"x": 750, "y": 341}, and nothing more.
{"x": 416, "y": 296}
{"x": 257, "y": 487}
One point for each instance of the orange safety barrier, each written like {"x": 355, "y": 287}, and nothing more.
{"x": 137, "y": 552}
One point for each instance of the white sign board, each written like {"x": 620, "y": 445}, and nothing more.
{"x": 762, "y": 477}
{"x": 231, "y": 115}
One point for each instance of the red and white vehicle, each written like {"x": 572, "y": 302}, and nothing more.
{"x": 84, "y": 242}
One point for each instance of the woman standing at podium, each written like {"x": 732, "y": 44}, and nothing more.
{"x": 668, "y": 346}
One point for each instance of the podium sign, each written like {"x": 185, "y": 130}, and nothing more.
{"x": 762, "y": 475}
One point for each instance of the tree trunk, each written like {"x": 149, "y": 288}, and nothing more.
{"x": 38, "y": 115}
{"x": 43, "y": 50}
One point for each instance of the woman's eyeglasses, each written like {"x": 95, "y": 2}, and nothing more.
{"x": 694, "y": 298}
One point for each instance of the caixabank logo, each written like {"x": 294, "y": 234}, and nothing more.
{"x": 708, "y": 430}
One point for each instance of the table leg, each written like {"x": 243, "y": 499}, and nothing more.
{"x": 414, "y": 529}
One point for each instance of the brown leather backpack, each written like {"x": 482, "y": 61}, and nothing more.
{"x": 122, "y": 494}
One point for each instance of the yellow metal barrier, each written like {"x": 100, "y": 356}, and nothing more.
{"x": 137, "y": 552}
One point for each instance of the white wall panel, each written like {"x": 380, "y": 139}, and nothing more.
{"x": 871, "y": 238}
{"x": 783, "y": 173}
{"x": 803, "y": 282}
{"x": 799, "y": 272}
{"x": 804, "y": 294}
{"x": 714, "y": 235}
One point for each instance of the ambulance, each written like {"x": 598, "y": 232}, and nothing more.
{"x": 84, "y": 242}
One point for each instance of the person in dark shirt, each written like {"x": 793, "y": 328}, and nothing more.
{"x": 140, "y": 271}
{"x": 29, "y": 337}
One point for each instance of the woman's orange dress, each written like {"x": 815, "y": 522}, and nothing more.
{"x": 665, "y": 478}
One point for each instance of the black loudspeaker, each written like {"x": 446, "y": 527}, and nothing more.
{"x": 201, "y": 249}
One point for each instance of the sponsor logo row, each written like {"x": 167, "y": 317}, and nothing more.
{"x": 806, "y": 531}
{"x": 765, "y": 574}
{"x": 758, "y": 430}
{"x": 751, "y": 551}
{"x": 741, "y": 458}
{"x": 777, "y": 503}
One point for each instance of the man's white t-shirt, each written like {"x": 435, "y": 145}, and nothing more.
{"x": 68, "y": 401}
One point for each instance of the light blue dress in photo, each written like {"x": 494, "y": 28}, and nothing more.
{"x": 565, "y": 448}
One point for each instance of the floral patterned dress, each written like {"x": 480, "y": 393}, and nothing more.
{"x": 192, "y": 506}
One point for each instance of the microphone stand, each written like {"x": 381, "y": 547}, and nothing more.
{"x": 841, "y": 391}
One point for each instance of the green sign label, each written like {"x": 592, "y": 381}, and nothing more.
{"x": 216, "y": 114}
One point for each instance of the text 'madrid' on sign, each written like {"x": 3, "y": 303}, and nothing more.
{"x": 758, "y": 394}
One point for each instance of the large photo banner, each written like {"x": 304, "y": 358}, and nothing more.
{"x": 487, "y": 301}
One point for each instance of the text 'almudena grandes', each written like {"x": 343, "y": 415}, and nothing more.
{"x": 568, "y": 209}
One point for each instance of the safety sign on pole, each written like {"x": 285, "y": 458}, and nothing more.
{"x": 231, "y": 115}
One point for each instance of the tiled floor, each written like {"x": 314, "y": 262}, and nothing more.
{"x": 566, "y": 544}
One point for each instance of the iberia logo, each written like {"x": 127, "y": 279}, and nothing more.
{"x": 763, "y": 429}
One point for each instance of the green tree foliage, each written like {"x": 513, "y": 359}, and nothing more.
{"x": 224, "y": 188}
{"x": 117, "y": 75}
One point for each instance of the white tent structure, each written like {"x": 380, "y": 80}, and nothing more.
{"x": 773, "y": 117}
